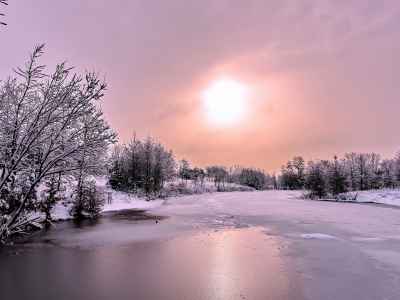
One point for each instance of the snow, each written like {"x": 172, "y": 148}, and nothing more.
{"x": 316, "y": 236}
{"x": 343, "y": 241}
{"x": 366, "y": 239}
{"x": 382, "y": 196}
{"x": 121, "y": 200}
{"x": 61, "y": 211}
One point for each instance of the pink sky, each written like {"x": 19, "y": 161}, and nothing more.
{"x": 323, "y": 76}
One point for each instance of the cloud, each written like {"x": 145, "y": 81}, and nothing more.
{"x": 324, "y": 74}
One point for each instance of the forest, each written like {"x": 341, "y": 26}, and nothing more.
{"x": 143, "y": 167}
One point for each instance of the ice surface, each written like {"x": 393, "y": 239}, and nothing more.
{"x": 366, "y": 239}
{"x": 316, "y": 236}
{"x": 121, "y": 200}
{"x": 342, "y": 250}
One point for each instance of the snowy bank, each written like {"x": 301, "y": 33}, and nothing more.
{"x": 122, "y": 200}
{"x": 381, "y": 196}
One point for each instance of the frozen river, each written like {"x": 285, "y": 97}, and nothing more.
{"x": 253, "y": 245}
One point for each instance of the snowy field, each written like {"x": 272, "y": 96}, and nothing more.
{"x": 121, "y": 200}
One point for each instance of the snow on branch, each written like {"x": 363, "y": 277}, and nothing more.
{"x": 48, "y": 125}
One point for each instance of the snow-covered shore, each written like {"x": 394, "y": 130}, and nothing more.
{"x": 121, "y": 200}
{"x": 381, "y": 196}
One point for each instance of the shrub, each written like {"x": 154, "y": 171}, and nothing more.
{"x": 88, "y": 201}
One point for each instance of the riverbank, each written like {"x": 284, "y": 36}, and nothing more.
{"x": 121, "y": 200}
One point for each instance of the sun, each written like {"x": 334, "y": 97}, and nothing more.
{"x": 225, "y": 101}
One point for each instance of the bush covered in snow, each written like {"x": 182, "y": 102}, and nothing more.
{"x": 182, "y": 189}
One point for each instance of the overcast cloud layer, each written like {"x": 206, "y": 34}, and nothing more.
{"x": 323, "y": 76}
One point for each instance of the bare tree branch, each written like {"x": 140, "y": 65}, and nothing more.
{"x": 47, "y": 124}
{"x": 3, "y": 2}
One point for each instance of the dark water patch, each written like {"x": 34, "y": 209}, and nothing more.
{"x": 132, "y": 215}
{"x": 45, "y": 235}
{"x": 56, "y": 233}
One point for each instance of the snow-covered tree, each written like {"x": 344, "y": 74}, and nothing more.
{"x": 288, "y": 177}
{"x": 388, "y": 171}
{"x": 83, "y": 177}
{"x": 299, "y": 167}
{"x": 116, "y": 173}
{"x": 337, "y": 183}
{"x": 218, "y": 174}
{"x": 184, "y": 169}
{"x": 53, "y": 192}
{"x": 396, "y": 166}
{"x": 274, "y": 181}
{"x": 42, "y": 121}
{"x": 255, "y": 178}
{"x": 292, "y": 174}
{"x": 197, "y": 174}
{"x": 141, "y": 165}
{"x": 88, "y": 199}
{"x": 362, "y": 170}
{"x": 252, "y": 177}
{"x": 3, "y": 2}
{"x": 315, "y": 178}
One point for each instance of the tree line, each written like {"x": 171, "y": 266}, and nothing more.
{"x": 222, "y": 175}
{"x": 144, "y": 166}
{"x": 332, "y": 178}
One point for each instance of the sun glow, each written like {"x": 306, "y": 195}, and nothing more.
{"x": 225, "y": 101}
